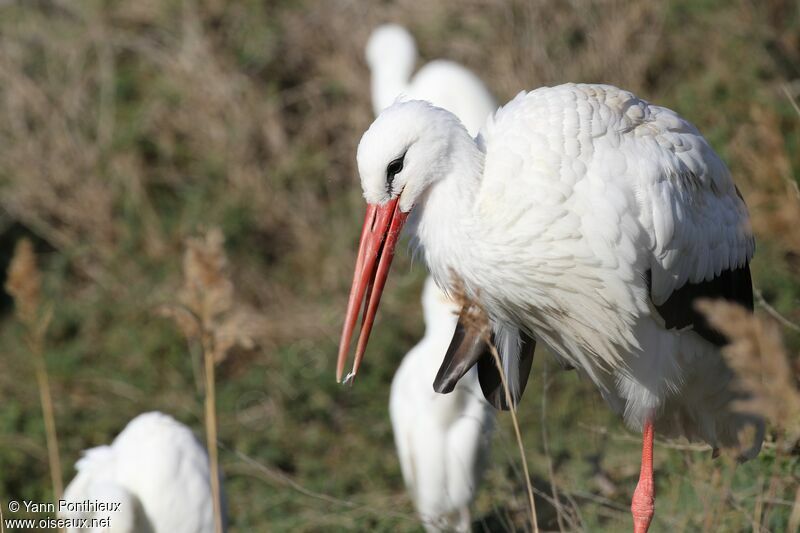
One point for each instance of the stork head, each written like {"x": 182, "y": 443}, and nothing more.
{"x": 409, "y": 147}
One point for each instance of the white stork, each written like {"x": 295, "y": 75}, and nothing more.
{"x": 156, "y": 470}
{"x": 442, "y": 440}
{"x": 589, "y": 219}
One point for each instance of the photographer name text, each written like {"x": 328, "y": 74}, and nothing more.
{"x": 85, "y": 506}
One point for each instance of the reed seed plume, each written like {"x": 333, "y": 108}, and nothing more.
{"x": 24, "y": 284}
{"x": 207, "y": 304}
{"x": 757, "y": 355}
{"x": 207, "y": 291}
{"x": 207, "y": 314}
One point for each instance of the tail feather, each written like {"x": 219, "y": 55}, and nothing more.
{"x": 509, "y": 345}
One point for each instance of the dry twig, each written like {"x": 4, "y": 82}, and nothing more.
{"x": 206, "y": 313}
{"x": 560, "y": 514}
{"x": 475, "y": 317}
{"x": 24, "y": 285}
{"x": 774, "y": 313}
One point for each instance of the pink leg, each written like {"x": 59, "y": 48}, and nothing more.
{"x": 643, "y": 504}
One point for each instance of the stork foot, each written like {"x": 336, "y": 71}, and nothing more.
{"x": 643, "y": 506}
{"x": 644, "y": 502}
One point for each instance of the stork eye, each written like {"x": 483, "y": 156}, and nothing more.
{"x": 394, "y": 168}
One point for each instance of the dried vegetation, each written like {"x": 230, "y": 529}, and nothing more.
{"x": 127, "y": 128}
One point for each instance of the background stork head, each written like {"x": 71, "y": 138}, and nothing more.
{"x": 391, "y": 46}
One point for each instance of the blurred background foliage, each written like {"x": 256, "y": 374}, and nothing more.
{"x": 128, "y": 127}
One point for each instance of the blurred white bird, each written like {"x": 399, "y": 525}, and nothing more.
{"x": 391, "y": 55}
{"x": 442, "y": 440}
{"x": 156, "y": 469}
{"x": 587, "y": 218}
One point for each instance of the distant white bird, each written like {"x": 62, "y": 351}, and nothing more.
{"x": 156, "y": 469}
{"x": 587, "y": 218}
{"x": 442, "y": 440}
{"x": 391, "y": 55}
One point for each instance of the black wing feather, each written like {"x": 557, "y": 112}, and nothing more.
{"x": 468, "y": 348}
{"x": 678, "y": 310}
{"x": 489, "y": 375}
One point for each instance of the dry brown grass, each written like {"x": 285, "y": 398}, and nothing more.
{"x": 763, "y": 370}
{"x": 762, "y": 365}
{"x": 24, "y": 284}
{"x": 52, "y": 130}
{"x": 772, "y": 193}
{"x": 208, "y": 304}
{"x": 208, "y": 316}
{"x": 300, "y": 112}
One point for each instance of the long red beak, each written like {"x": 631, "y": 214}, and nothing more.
{"x": 379, "y": 236}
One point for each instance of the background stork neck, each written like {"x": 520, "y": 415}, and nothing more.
{"x": 441, "y": 323}
{"x": 387, "y": 85}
